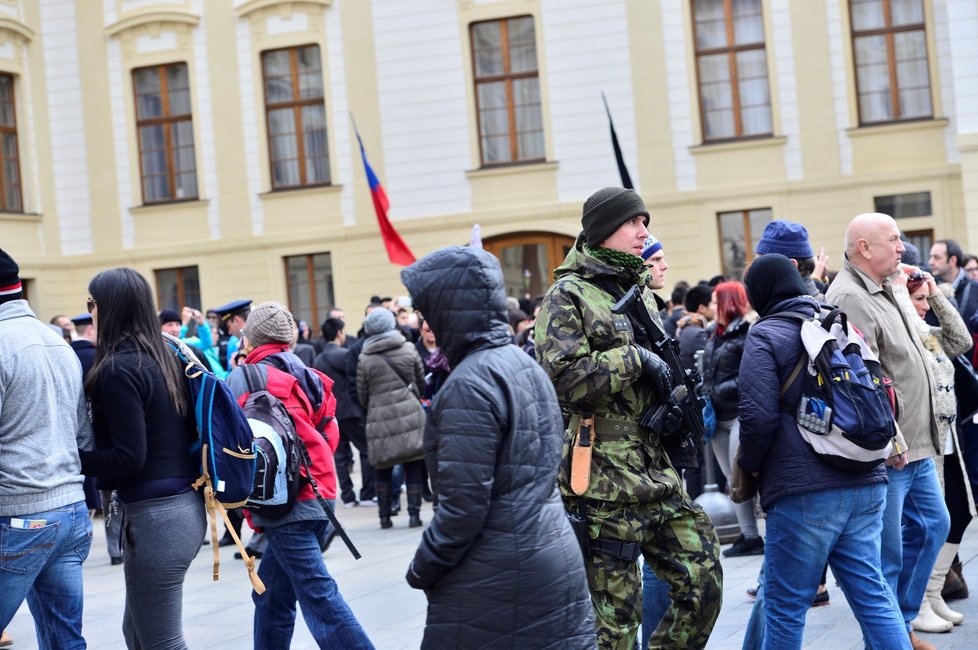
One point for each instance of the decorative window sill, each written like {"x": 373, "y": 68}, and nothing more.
{"x": 515, "y": 168}
{"x": 169, "y": 206}
{"x": 287, "y": 192}
{"x": 738, "y": 145}
{"x": 897, "y": 127}
{"x": 20, "y": 216}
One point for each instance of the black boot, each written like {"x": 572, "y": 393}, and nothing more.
{"x": 414, "y": 505}
{"x": 384, "y": 504}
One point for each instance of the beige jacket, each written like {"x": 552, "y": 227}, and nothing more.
{"x": 874, "y": 310}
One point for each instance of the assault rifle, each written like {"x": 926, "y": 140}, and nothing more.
{"x": 685, "y": 380}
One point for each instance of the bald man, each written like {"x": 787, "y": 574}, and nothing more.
{"x": 916, "y": 521}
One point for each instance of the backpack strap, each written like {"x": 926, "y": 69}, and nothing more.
{"x": 254, "y": 377}
{"x": 306, "y": 463}
{"x": 794, "y": 373}
{"x": 803, "y": 359}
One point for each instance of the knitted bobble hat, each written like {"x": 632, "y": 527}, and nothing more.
{"x": 607, "y": 209}
{"x": 10, "y": 286}
{"x": 270, "y": 322}
{"x": 378, "y": 321}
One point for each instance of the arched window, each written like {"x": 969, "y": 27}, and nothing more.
{"x": 528, "y": 260}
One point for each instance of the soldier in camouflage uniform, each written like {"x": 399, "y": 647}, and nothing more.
{"x": 635, "y": 502}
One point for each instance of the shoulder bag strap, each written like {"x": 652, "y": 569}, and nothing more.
{"x": 397, "y": 374}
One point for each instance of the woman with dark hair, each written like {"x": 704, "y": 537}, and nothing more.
{"x": 144, "y": 425}
{"x": 721, "y": 375}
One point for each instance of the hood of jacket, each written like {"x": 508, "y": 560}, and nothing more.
{"x": 459, "y": 291}
{"x": 383, "y": 342}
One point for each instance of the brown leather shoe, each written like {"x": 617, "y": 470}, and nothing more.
{"x": 919, "y": 644}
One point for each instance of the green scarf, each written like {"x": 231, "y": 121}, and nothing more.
{"x": 614, "y": 258}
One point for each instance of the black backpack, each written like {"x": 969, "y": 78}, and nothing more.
{"x": 281, "y": 454}
{"x": 277, "y": 446}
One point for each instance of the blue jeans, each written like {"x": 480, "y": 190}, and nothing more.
{"x": 293, "y": 570}
{"x": 44, "y": 565}
{"x": 754, "y": 636}
{"x": 915, "y": 525}
{"x": 843, "y": 526}
{"x": 655, "y": 602}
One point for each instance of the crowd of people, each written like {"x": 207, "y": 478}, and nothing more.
{"x": 559, "y": 439}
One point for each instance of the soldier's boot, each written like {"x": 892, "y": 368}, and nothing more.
{"x": 384, "y": 504}
{"x": 414, "y": 495}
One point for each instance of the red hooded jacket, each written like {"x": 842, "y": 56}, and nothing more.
{"x": 308, "y": 396}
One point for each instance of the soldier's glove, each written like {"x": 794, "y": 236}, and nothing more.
{"x": 656, "y": 371}
{"x": 672, "y": 421}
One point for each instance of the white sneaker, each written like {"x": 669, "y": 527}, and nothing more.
{"x": 351, "y": 504}
{"x": 369, "y": 502}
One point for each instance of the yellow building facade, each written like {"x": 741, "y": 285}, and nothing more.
{"x": 210, "y": 144}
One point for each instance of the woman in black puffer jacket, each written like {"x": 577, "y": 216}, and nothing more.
{"x": 721, "y": 375}
{"x": 499, "y": 563}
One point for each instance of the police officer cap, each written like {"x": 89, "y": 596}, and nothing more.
{"x": 232, "y": 308}
{"x": 82, "y": 319}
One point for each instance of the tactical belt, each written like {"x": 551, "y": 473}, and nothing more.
{"x": 616, "y": 548}
{"x": 608, "y": 428}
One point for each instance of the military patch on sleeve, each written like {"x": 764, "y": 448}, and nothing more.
{"x": 621, "y": 324}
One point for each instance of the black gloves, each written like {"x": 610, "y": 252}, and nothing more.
{"x": 672, "y": 421}
{"x": 656, "y": 371}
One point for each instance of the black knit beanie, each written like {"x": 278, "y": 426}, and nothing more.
{"x": 10, "y": 286}
{"x": 606, "y": 210}
{"x": 772, "y": 279}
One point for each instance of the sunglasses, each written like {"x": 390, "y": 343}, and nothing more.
{"x": 90, "y": 303}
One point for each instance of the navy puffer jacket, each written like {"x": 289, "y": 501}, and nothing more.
{"x": 499, "y": 562}
{"x": 721, "y": 368}
{"x": 770, "y": 443}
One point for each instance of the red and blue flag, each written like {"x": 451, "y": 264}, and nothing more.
{"x": 397, "y": 250}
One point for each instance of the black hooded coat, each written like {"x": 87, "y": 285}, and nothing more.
{"x": 499, "y": 562}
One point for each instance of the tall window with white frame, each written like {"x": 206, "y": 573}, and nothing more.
{"x": 295, "y": 114}
{"x": 310, "y": 286}
{"x": 731, "y": 65}
{"x": 889, "y": 44}
{"x": 740, "y": 232}
{"x": 10, "y": 197}
{"x": 507, "y": 91}
{"x": 164, "y": 122}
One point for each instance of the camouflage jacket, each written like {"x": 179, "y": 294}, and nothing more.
{"x": 589, "y": 353}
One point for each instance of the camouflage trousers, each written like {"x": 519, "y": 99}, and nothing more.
{"x": 680, "y": 545}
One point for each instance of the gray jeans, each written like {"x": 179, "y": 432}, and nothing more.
{"x": 725, "y": 443}
{"x": 161, "y": 537}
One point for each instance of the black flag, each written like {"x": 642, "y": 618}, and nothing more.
{"x": 626, "y": 180}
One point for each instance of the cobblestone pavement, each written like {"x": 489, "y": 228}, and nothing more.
{"x": 218, "y": 614}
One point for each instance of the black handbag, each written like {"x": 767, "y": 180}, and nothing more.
{"x": 965, "y": 388}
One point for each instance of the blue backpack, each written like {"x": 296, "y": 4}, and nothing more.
{"x": 844, "y": 414}
{"x": 226, "y": 449}
{"x": 225, "y": 445}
